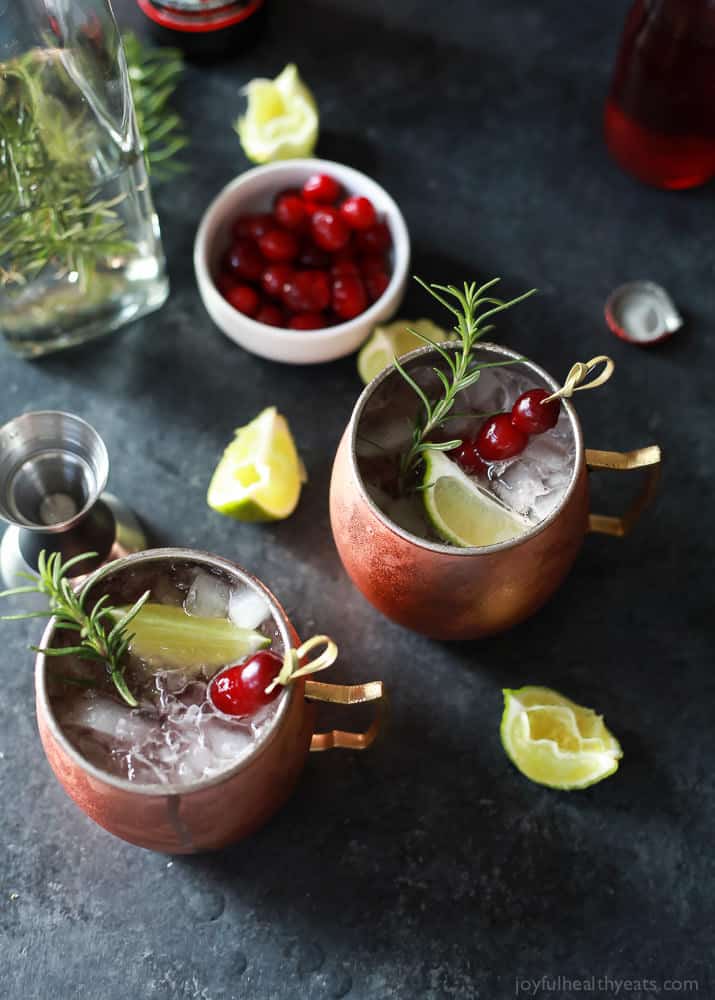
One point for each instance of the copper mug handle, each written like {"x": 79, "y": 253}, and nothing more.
{"x": 640, "y": 458}
{"x": 346, "y": 694}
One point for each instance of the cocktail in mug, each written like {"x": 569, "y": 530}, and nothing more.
{"x": 201, "y": 732}
{"x": 512, "y": 494}
{"x": 198, "y": 622}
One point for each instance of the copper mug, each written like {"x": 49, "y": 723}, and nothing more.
{"x": 227, "y": 807}
{"x": 467, "y": 593}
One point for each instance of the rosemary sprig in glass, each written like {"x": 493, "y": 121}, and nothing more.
{"x": 96, "y": 641}
{"x": 50, "y": 210}
{"x": 462, "y": 371}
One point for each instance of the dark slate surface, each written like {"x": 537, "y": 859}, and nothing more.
{"x": 428, "y": 867}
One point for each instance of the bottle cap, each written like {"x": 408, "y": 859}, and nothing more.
{"x": 642, "y": 312}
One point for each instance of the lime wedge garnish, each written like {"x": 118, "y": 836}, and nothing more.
{"x": 166, "y": 636}
{"x": 460, "y": 511}
{"x": 260, "y": 474}
{"x": 556, "y": 742}
{"x": 281, "y": 120}
{"x": 392, "y": 341}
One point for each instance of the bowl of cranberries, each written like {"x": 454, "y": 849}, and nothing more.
{"x": 298, "y": 260}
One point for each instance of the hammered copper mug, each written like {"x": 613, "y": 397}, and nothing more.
{"x": 466, "y": 593}
{"x": 216, "y": 811}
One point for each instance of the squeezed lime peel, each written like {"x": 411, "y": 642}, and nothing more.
{"x": 554, "y": 741}
{"x": 281, "y": 121}
{"x": 394, "y": 340}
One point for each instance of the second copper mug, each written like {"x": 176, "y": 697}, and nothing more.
{"x": 467, "y": 593}
{"x": 212, "y": 812}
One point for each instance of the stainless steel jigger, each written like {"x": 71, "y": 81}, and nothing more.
{"x": 53, "y": 469}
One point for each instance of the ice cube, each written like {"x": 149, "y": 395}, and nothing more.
{"x": 488, "y": 394}
{"x": 545, "y": 504}
{"x": 248, "y": 608}
{"x": 208, "y": 596}
{"x": 550, "y": 454}
{"x": 196, "y": 761}
{"x": 263, "y": 718}
{"x": 519, "y": 486}
{"x": 141, "y": 769}
{"x": 226, "y": 741}
{"x": 106, "y": 717}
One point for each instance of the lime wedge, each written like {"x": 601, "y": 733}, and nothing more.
{"x": 281, "y": 120}
{"x": 166, "y": 636}
{"x": 462, "y": 512}
{"x": 556, "y": 742}
{"x": 392, "y": 341}
{"x": 260, "y": 474}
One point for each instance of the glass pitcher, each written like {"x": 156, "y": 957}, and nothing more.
{"x": 660, "y": 114}
{"x": 80, "y": 250}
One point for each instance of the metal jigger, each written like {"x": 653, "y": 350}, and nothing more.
{"x": 53, "y": 469}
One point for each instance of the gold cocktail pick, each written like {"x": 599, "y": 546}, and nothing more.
{"x": 292, "y": 668}
{"x": 575, "y": 378}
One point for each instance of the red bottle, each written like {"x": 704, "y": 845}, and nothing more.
{"x": 660, "y": 114}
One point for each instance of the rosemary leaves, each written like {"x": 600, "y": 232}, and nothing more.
{"x": 101, "y": 635}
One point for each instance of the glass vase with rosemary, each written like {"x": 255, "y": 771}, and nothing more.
{"x": 458, "y": 445}
{"x": 80, "y": 250}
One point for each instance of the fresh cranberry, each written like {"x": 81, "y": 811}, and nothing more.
{"x": 286, "y": 192}
{"x": 241, "y": 689}
{"x": 279, "y": 245}
{"x": 252, "y": 226}
{"x": 376, "y": 285}
{"x": 531, "y": 416}
{"x": 499, "y": 439}
{"x": 358, "y": 213}
{"x": 329, "y": 231}
{"x": 310, "y": 256}
{"x": 345, "y": 268}
{"x": 349, "y": 297}
{"x": 244, "y": 298}
{"x": 468, "y": 458}
{"x": 372, "y": 263}
{"x": 270, "y": 315}
{"x": 376, "y": 239}
{"x": 244, "y": 260}
{"x": 290, "y": 211}
{"x": 322, "y": 188}
{"x": 307, "y": 291}
{"x": 311, "y": 207}
{"x": 224, "y": 283}
{"x": 307, "y": 321}
{"x": 274, "y": 278}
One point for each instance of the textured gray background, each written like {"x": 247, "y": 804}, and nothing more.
{"x": 427, "y": 867}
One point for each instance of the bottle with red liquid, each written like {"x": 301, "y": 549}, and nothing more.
{"x": 660, "y": 114}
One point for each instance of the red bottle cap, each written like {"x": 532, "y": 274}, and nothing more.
{"x": 642, "y": 313}
{"x": 212, "y": 15}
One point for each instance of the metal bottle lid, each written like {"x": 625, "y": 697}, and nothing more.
{"x": 642, "y": 312}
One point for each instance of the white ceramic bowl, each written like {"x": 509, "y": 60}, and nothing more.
{"x": 254, "y": 191}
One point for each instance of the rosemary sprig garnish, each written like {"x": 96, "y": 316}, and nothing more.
{"x": 462, "y": 370}
{"x": 67, "y": 606}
